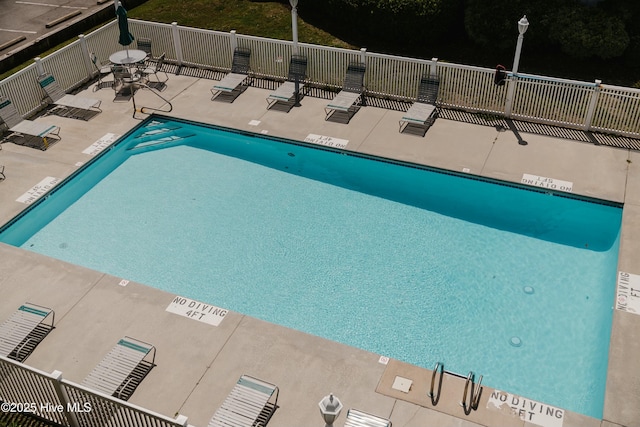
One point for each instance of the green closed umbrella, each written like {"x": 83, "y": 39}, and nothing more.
{"x": 125, "y": 36}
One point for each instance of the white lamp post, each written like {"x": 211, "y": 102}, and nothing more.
{"x": 523, "y": 25}
{"x": 294, "y": 29}
{"x": 294, "y": 24}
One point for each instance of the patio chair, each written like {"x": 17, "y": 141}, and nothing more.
{"x": 144, "y": 44}
{"x": 154, "y": 67}
{"x": 24, "y": 330}
{"x": 422, "y": 113}
{"x": 346, "y": 101}
{"x": 125, "y": 81}
{"x": 233, "y": 84}
{"x": 285, "y": 94}
{"x": 2, "y": 176}
{"x": 122, "y": 369}
{"x": 249, "y": 404}
{"x": 357, "y": 418}
{"x": 103, "y": 69}
{"x": 74, "y": 106}
{"x": 29, "y": 130}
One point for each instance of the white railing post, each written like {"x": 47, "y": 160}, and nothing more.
{"x": 508, "y": 107}
{"x": 56, "y": 377}
{"x": 433, "y": 67}
{"x": 592, "y": 105}
{"x": 182, "y": 420}
{"x": 39, "y": 66}
{"x": 85, "y": 54}
{"x": 176, "y": 43}
{"x": 363, "y": 55}
{"x": 234, "y": 40}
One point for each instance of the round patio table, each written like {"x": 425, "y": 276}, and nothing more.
{"x": 130, "y": 56}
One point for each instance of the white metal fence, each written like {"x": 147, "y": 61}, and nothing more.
{"x": 567, "y": 103}
{"x": 49, "y": 396}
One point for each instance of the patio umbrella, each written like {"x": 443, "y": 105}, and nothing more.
{"x": 125, "y": 36}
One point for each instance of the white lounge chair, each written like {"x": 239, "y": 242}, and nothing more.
{"x": 67, "y": 105}
{"x": 233, "y": 84}
{"x": 347, "y": 99}
{"x": 18, "y": 126}
{"x": 286, "y": 92}
{"x": 24, "y": 330}
{"x": 357, "y": 418}
{"x": 249, "y": 404}
{"x": 421, "y": 114}
{"x": 122, "y": 369}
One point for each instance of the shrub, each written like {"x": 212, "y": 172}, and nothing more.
{"x": 589, "y": 32}
{"x": 384, "y": 22}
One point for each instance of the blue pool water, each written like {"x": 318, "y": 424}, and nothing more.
{"x": 414, "y": 264}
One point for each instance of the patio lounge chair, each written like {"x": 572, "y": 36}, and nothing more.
{"x": 357, "y": 418}
{"x": 285, "y": 94}
{"x": 249, "y": 404}
{"x": 122, "y": 369}
{"x": 347, "y": 99}
{"x": 28, "y": 129}
{"x": 233, "y": 84}
{"x": 24, "y": 330}
{"x": 422, "y": 113}
{"x": 68, "y": 105}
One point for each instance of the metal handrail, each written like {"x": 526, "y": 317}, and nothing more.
{"x": 436, "y": 397}
{"x": 142, "y": 109}
{"x": 476, "y": 392}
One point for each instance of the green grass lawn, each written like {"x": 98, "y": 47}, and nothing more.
{"x": 255, "y": 18}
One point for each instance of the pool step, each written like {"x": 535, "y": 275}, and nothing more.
{"x": 162, "y": 142}
{"x": 158, "y": 135}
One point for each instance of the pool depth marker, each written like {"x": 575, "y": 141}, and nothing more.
{"x": 101, "y": 144}
{"x": 35, "y": 192}
{"x": 526, "y": 409}
{"x": 628, "y": 292}
{"x": 327, "y": 141}
{"x": 197, "y": 310}
{"x": 544, "y": 182}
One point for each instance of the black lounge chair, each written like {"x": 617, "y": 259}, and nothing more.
{"x": 423, "y": 112}
{"x": 233, "y": 84}
{"x": 346, "y": 102}
{"x": 285, "y": 95}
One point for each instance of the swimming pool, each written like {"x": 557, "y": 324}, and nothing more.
{"x": 409, "y": 262}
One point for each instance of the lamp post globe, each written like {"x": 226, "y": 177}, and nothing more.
{"x": 523, "y": 24}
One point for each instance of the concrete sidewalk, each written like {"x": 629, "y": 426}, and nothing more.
{"x": 198, "y": 364}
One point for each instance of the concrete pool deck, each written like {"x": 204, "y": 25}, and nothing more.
{"x": 198, "y": 364}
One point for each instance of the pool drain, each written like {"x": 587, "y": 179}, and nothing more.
{"x": 515, "y": 341}
{"x": 528, "y": 290}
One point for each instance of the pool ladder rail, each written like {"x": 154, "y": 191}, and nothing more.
{"x": 472, "y": 390}
{"x": 167, "y": 107}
